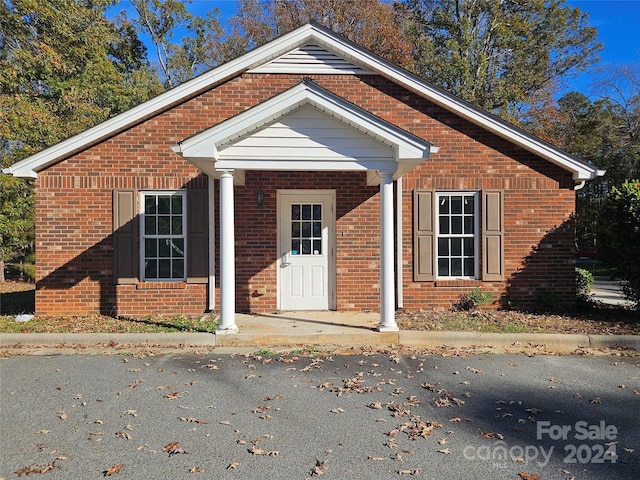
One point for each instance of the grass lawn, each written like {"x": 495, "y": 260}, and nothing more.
{"x": 18, "y": 297}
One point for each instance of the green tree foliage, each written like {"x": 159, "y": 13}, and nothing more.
{"x": 370, "y": 23}
{"x": 65, "y": 68}
{"x": 603, "y": 131}
{"x": 497, "y": 54}
{"x": 619, "y": 236}
{"x": 195, "y": 52}
{"x": 16, "y": 219}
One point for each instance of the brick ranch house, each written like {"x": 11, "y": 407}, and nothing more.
{"x": 308, "y": 174}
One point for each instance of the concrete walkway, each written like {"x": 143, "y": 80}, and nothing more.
{"x": 609, "y": 292}
{"x": 313, "y": 329}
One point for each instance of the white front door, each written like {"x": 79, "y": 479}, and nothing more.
{"x": 306, "y": 238}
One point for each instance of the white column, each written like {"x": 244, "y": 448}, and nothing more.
{"x": 387, "y": 285}
{"x": 227, "y": 257}
{"x": 399, "y": 249}
{"x": 212, "y": 245}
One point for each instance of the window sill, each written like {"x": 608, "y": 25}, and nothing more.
{"x": 458, "y": 282}
{"x": 180, "y": 285}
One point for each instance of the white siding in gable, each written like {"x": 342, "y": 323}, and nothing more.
{"x": 306, "y": 134}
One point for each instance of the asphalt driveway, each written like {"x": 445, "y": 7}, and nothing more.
{"x": 340, "y": 417}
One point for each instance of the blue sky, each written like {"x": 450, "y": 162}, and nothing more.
{"x": 618, "y": 24}
{"x": 617, "y": 21}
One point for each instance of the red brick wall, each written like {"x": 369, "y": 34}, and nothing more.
{"x": 74, "y": 244}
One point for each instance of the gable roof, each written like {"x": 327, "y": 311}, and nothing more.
{"x": 313, "y": 41}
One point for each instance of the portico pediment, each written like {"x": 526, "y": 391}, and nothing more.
{"x": 305, "y": 128}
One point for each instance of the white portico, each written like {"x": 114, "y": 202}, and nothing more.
{"x": 305, "y": 128}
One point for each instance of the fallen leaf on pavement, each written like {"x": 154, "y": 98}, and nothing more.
{"x": 173, "y": 448}
{"x": 124, "y": 435}
{"x": 528, "y": 476}
{"x": 33, "y": 468}
{"x": 459, "y": 419}
{"x": 192, "y": 420}
{"x": 111, "y": 470}
{"x": 415, "y": 472}
{"x": 319, "y": 468}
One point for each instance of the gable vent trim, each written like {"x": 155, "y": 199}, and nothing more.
{"x": 312, "y": 59}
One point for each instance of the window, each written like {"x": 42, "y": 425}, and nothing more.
{"x": 457, "y": 235}
{"x": 447, "y": 235}
{"x": 163, "y": 239}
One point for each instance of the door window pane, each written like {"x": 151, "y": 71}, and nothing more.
{"x": 306, "y": 229}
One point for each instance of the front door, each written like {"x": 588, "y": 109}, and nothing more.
{"x": 306, "y": 226}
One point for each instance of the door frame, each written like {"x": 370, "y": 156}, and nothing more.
{"x": 331, "y": 240}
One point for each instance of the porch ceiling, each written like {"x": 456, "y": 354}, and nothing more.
{"x": 305, "y": 128}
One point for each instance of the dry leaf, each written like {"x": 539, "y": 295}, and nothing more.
{"x": 173, "y": 448}
{"x": 33, "y": 468}
{"x": 172, "y": 396}
{"x": 459, "y": 419}
{"x": 192, "y": 420}
{"x": 319, "y": 468}
{"x": 415, "y": 472}
{"x": 528, "y": 476}
{"x": 111, "y": 470}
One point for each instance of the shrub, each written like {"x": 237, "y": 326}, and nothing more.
{"x": 619, "y": 236}
{"x": 584, "y": 282}
{"x": 473, "y": 299}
